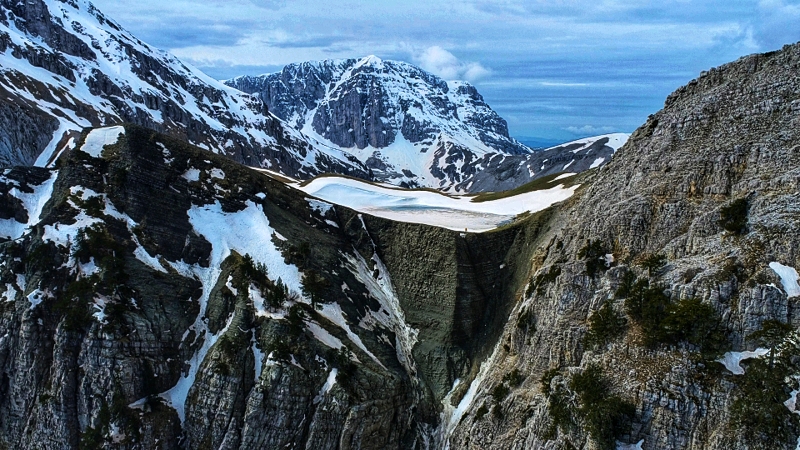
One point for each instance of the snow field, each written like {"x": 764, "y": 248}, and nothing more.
{"x": 33, "y": 204}
{"x": 788, "y": 277}
{"x": 99, "y": 138}
{"x": 432, "y": 208}
{"x": 731, "y": 360}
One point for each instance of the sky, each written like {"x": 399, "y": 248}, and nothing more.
{"x": 554, "y": 69}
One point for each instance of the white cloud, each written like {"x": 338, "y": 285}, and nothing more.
{"x": 589, "y": 130}
{"x": 443, "y": 63}
{"x": 777, "y": 24}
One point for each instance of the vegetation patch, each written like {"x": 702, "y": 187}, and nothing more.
{"x": 606, "y": 417}
{"x": 74, "y": 302}
{"x": 275, "y": 294}
{"x": 594, "y": 253}
{"x": 586, "y": 400}
{"x": 527, "y": 321}
{"x": 758, "y": 413}
{"x": 500, "y": 392}
{"x": 314, "y": 286}
{"x": 545, "y": 278}
{"x": 605, "y": 326}
{"x": 733, "y": 217}
{"x": 481, "y": 412}
{"x": 654, "y": 263}
{"x": 514, "y": 378}
{"x": 671, "y": 323}
{"x": 295, "y": 320}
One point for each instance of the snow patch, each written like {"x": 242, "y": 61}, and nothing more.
{"x": 597, "y": 163}
{"x": 259, "y": 357}
{"x": 333, "y": 312}
{"x": 99, "y": 138}
{"x": 731, "y": 360}
{"x": 10, "y": 294}
{"x": 192, "y": 175}
{"x": 33, "y": 203}
{"x": 432, "y": 208}
{"x": 322, "y": 335}
{"x": 564, "y": 176}
{"x": 100, "y": 303}
{"x": 636, "y": 446}
{"x": 788, "y": 278}
{"x": 319, "y": 206}
{"x": 246, "y": 232}
{"x": 326, "y": 388}
{"x": 36, "y": 298}
{"x": 792, "y": 402}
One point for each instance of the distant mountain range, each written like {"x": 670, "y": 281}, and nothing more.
{"x": 410, "y": 127}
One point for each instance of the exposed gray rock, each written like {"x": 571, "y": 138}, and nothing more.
{"x": 94, "y": 335}
{"x": 731, "y": 134}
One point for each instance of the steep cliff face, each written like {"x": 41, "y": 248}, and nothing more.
{"x": 158, "y": 296}
{"x": 65, "y": 66}
{"x": 409, "y": 126}
{"x": 709, "y": 183}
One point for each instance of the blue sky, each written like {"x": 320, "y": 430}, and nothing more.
{"x": 554, "y": 69}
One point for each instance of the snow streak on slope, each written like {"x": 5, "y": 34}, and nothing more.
{"x": 246, "y": 232}
{"x": 33, "y": 203}
{"x": 615, "y": 141}
{"x": 731, "y": 360}
{"x": 432, "y": 208}
{"x": 788, "y": 277}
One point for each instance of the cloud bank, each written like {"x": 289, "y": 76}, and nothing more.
{"x": 440, "y": 62}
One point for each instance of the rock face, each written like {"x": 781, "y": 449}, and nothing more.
{"x": 65, "y": 66}
{"x": 409, "y": 126}
{"x": 711, "y": 183}
{"x": 158, "y": 296}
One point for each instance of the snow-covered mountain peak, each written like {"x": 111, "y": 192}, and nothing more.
{"x": 409, "y": 126}
{"x": 372, "y": 61}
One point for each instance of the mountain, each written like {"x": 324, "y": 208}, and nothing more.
{"x": 663, "y": 310}
{"x": 65, "y": 66}
{"x": 156, "y": 295}
{"x": 500, "y": 172}
{"x": 410, "y": 127}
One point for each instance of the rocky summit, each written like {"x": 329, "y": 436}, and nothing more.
{"x": 160, "y": 291}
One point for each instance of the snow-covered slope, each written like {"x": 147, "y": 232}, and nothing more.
{"x": 409, "y": 126}
{"x": 498, "y": 172}
{"x": 460, "y": 213}
{"x": 65, "y": 66}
